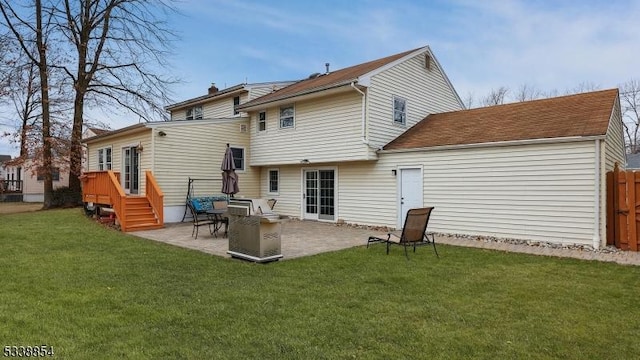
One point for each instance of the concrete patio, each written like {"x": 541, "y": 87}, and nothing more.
{"x": 304, "y": 238}
{"x": 299, "y": 238}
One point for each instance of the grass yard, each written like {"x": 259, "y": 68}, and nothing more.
{"x": 18, "y": 207}
{"x": 91, "y": 292}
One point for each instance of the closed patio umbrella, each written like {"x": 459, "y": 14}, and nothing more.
{"x": 229, "y": 176}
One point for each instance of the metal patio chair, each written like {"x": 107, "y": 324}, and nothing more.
{"x": 413, "y": 233}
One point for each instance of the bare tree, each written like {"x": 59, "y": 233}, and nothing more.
{"x": 630, "y": 102}
{"x": 469, "y": 100}
{"x": 32, "y": 35}
{"x": 496, "y": 96}
{"x": 585, "y": 86}
{"x": 527, "y": 92}
{"x": 120, "y": 49}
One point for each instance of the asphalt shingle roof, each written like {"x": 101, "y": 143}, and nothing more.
{"x": 584, "y": 114}
{"x": 326, "y": 81}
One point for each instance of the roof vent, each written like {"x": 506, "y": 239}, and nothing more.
{"x": 326, "y": 65}
{"x": 314, "y": 75}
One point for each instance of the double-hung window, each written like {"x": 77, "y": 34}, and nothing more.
{"x": 194, "y": 113}
{"x": 238, "y": 157}
{"x": 287, "y": 116}
{"x": 104, "y": 159}
{"x": 399, "y": 111}
{"x": 262, "y": 121}
{"x": 274, "y": 181}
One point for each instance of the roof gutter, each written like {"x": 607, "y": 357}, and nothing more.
{"x": 365, "y": 140}
{"x": 498, "y": 143}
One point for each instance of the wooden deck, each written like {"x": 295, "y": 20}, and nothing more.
{"x": 133, "y": 212}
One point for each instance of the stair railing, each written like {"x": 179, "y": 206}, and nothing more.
{"x": 155, "y": 196}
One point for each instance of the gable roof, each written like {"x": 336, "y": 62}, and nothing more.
{"x": 4, "y": 158}
{"x": 326, "y": 81}
{"x": 579, "y": 115}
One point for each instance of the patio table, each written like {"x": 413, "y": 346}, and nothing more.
{"x": 217, "y": 215}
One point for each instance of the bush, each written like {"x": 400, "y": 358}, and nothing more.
{"x": 65, "y": 197}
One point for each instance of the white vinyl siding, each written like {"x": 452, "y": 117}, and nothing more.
{"x": 217, "y": 109}
{"x": 534, "y": 192}
{"x": 426, "y": 92}
{"x": 142, "y": 137}
{"x": 290, "y": 190}
{"x": 326, "y": 129}
{"x": 614, "y": 143}
{"x": 196, "y": 150}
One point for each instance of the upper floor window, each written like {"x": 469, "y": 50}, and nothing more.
{"x": 238, "y": 157}
{"x": 287, "y": 115}
{"x": 236, "y": 102}
{"x": 274, "y": 179}
{"x": 262, "y": 121}
{"x": 194, "y": 113}
{"x": 104, "y": 159}
{"x": 399, "y": 110}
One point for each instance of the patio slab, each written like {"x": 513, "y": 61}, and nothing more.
{"x": 304, "y": 238}
{"x": 299, "y": 238}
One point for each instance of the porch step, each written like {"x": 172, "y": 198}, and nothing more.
{"x": 140, "y": 215}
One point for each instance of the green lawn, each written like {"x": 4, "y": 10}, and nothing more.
{"x": 94, "y": 293}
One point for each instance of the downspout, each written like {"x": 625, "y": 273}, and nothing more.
{"x": 596, "y": 200}
{"x": 364, "y": 117}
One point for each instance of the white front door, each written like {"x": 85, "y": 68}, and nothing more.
{"x": 318, "y": 197}
{"x": 131, "y": 170}
{"x": 410, "y": 192}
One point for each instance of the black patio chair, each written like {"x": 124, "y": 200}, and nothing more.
{"x": 199, "y": 219}
{"x": 413, "y": 233}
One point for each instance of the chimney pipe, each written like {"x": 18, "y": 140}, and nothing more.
{"x": 327, "y": 66}
{"x": 213, "y": 89}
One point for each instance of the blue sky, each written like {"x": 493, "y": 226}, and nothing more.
{"x": 552, "y": 45}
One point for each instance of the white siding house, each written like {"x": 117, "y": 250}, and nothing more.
{"x": 366, "y": 143}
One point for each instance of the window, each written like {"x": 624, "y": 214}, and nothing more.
{"x": 274, "y": 180}
{"x": 238, "y": 157}
{"x": 55, "y": 174}
{"x": 236, "y": 102}
{"x": 194, "y": 113}
{"x": 104, "y": 159}
{"x": 399, "y": 110}
{"x": 262, "y": 121}
{"x": 287, "y": 114}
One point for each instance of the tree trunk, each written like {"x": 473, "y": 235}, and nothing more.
{"x": 75, "y": 156}
{"x": 46, "y": 127}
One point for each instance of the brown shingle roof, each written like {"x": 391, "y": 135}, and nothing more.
{"x": 99, "y": 131}
{"x": 585, "y": 114}
{"x": 327, "y": 81}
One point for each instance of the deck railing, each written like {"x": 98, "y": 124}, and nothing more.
{"x": 10, "y": 186}
{"x": 103, "y": 187}
{"x": 155, "y": 196}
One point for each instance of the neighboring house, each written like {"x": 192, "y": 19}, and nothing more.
{"x": 29, "y": 181}
{"x": 633, "y": 161}
{"x": 365, "y": 143}
{"x": 3, "y": 171}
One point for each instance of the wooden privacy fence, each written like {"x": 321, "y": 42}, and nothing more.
{"x": 623, "y": 209}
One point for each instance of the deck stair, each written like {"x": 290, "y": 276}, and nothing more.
{"x": 140, "y": 215}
